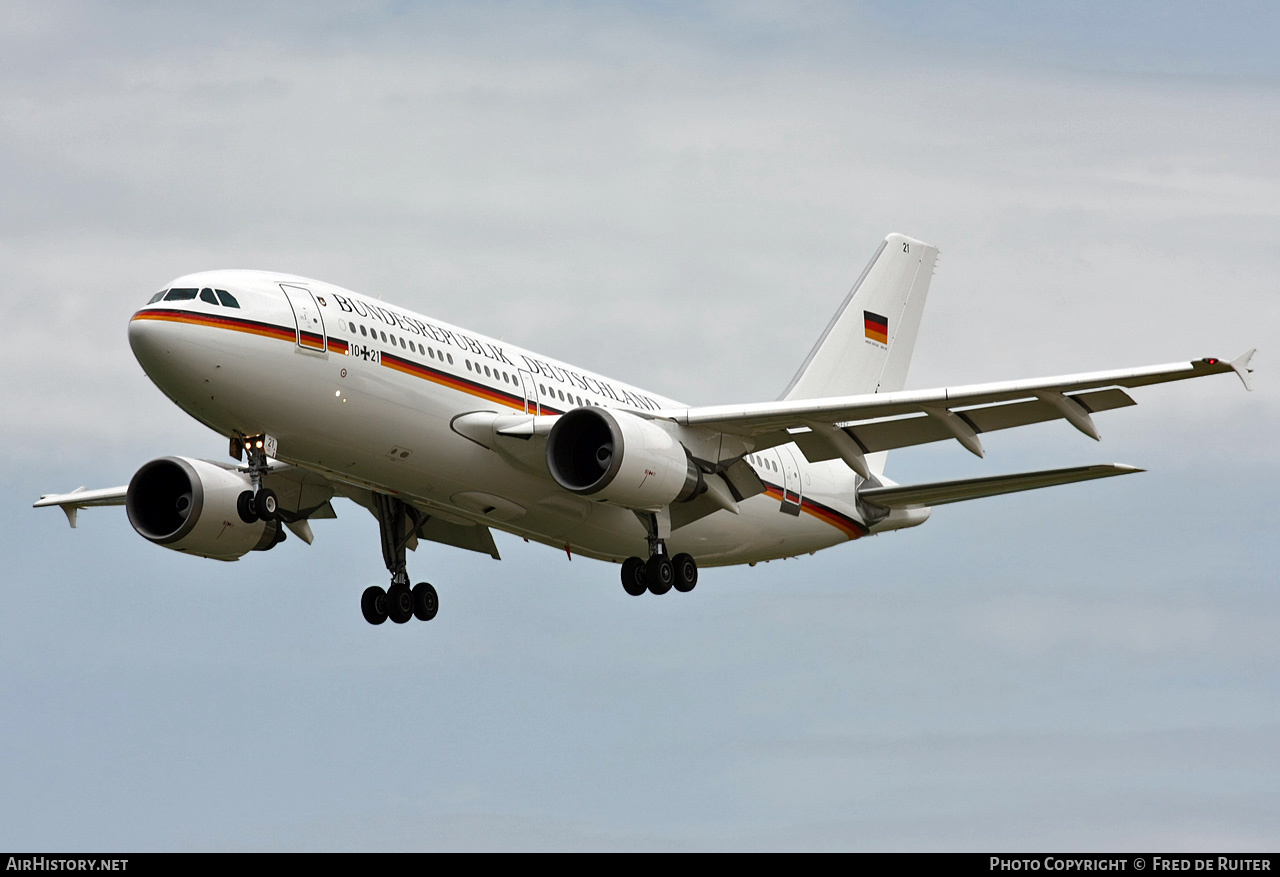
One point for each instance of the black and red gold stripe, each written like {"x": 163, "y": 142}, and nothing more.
{"x": 457, "y": 382}
{"x": 876, "y": 327}
{"x": 338, "y": 345}
{"x": 217, "y": 321}
{"x": 842, "y": 522}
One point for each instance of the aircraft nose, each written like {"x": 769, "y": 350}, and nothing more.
{"x": 146, "y": 341}
{"x": 179, "y": 367}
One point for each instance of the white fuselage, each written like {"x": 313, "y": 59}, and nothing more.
{"x": 367, "y": 394}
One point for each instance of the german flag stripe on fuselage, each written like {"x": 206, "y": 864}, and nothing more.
{"x": 851, "y": 528}
{"x": 337, "y": 345}
{"x": 217, "y": 321}
{"x": 459, "y": 383}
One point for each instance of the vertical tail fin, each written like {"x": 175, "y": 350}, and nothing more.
{"x": 867, "y": 346}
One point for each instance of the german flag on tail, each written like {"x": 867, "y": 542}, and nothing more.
{"x": 877, "y": 327}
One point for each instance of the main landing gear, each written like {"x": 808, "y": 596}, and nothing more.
{"x": 660, "y": 573}
{"x": 397, "y": 524}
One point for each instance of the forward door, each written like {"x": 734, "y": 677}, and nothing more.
{"x": 306, "y": 314}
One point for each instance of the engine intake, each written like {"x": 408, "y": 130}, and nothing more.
{"x": 190, "y": 506}
{"x": 621, "y": 458}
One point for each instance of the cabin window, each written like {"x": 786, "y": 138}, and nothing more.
{"x": 384, "y": 337}
{"x": 403, "y": 344}
{"x": 487, "y": 373}
{"x": 468, "y": 362}
{"x": 362, "y": 331}
{"x": 431, "y": 352}
{"x": 206, "y": 294}
{"x": 450, "y": 359}
{"x": 183, "y": 294}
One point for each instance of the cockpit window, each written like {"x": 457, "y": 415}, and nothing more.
{"x": 227, "y": 298}
{"x": 155, "y": 298}
{"x": 206, "y": 294}
{"x": 184, "y": 294}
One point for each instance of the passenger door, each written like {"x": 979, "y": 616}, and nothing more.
{"x": 306, "y": 314}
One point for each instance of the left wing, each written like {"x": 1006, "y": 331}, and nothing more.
{"x": 304, "y": 496}
{"x": 850, "y": 427}
{"x": 80, "y": 498}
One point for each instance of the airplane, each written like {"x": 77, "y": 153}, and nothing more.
{"x": 445, "y": 434}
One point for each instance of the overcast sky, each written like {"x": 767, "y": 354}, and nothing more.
{"x": 677, "y": 195}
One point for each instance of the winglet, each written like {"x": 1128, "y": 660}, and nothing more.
{"x": 1240, "y": 365}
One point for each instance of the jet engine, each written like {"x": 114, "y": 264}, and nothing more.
{"x": 190, "y": 506}
{"x": 620, "y": 458}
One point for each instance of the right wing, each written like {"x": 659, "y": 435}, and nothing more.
{"x": 849, "y": 427}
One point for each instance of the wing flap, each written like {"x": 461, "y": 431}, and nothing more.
{"x": 474, "y": 538}
{"x": 943, "y": 492}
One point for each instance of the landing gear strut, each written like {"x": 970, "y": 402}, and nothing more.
{"x": 397, "y": 524}
{"x": 660, "y": 572}
{"x": 260, "y": 503}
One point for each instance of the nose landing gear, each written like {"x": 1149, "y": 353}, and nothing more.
{"x": 260, "y": 503}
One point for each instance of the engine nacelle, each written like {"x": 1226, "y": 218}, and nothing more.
{"x": 621, "y": 458}
{"x": 190, "y": 506}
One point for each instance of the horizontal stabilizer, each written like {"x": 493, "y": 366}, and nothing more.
{"x": 943, "y": 492}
